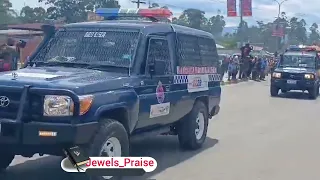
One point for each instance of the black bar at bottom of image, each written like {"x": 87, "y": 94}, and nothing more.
{"x": 115, "y": 172}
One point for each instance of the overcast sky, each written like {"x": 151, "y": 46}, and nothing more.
{"x": 265, "y": 10}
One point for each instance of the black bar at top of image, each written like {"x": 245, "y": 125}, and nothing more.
{"x": 115, "y": 172}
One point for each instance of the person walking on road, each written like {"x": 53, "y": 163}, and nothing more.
{"x": 264, "y": 65}
{"x": 233, "y": 69}
{"x": 255, "y": 68}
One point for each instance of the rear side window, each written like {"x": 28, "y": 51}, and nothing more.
{"x": 208, "y": 52}
{"x": 196, "y": 51}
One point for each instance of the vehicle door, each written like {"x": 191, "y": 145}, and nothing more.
{"x": 155, "y": 106}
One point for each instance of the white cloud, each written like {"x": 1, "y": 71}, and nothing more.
{"x": 265, "y": 10}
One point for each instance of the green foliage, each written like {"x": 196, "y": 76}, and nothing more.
{"x": 32, "y": 15}
{"x": 77, "y": 10}
{"x": 7, "y": 14}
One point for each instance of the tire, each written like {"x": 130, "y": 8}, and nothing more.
{"x": 5, "y": 160}
{"x": 110, "y": 129}
{"x": 274, "y": 91}
{"x": 313, "y": 93}
{"x": 187, "y": 127}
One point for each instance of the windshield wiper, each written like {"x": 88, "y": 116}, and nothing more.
{"x": 59, "y": 63}
{"x": 102, "y": 67}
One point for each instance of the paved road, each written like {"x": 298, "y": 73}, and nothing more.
{"x": 255, "y": 137}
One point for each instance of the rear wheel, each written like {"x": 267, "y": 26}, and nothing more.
{"x": 192, "y": 130}
{"x": 5, "y": 160}
{"x": 274, "y": 91}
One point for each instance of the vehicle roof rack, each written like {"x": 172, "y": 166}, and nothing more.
{"x": 153, "y": 14}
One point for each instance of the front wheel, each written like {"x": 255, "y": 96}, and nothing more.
{"x": 274, "y": 91}
{"x": 5, "y": 160}
{"x": 313, "y": 93}
{"x": 110, "y": 141}
{"x": 192, "y": 130}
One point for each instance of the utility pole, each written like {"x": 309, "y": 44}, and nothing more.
{"x": 278, "y": 19}
{"x": 241, "y": 23}
{"x": 138, "y": 2}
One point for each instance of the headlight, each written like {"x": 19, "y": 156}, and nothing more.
{"x": 63, "y": 105}
{"x": 309, "y": 76}
{"x": 276, "y": 75}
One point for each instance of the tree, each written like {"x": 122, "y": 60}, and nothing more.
{"x": 216, "y": 24}
{"x": 314, "y": 37}
{"x": 242, "y": 33}
{"x": 193, "y": 18}
{"x": 76, "y": 10}
{"x": 92, "y": 5}
{"x": 298, "y": 31}
{"x": 7, "y": 14}
{"x": 70, "y": 10}
{"x": 155, "y": 5}
{"x": 32, "y": 15}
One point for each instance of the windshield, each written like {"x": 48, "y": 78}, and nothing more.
{"x": 110, "y": 48}
{"x": 298, "y": 61}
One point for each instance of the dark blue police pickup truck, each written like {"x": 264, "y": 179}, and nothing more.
{"x": 296, "y": 70}
{"x": 97, "y": 84}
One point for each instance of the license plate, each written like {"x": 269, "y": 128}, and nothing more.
{"x": 291, "y": 81}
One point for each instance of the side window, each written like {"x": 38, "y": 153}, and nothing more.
{"x": 208, "y": 52}
{"x": 158, "y": 53}
{"x": 188, "y": 50}
{"x": 197, "y": 51}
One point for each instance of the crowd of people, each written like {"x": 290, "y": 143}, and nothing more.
{"x": 257, "y": 67}
{"x": 246, "y": 66}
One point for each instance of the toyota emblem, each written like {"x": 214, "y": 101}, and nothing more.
{"x": 4, "y": 101}
{"x": 292, "y": 76}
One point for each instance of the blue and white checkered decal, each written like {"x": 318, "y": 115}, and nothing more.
{"x": 180, "y": 79}
{"x": 183, "y": 79}
{"x": 214, "y": 77}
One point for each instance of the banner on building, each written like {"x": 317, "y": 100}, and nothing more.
{"x": 231, "y": 8}
{"x": 246, "y": 7}
{"x": 278, "y": 30}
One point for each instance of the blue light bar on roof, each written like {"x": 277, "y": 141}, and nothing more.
{"x": 112, "y": 13}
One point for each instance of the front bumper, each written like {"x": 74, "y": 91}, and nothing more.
{"x": 25, "y": 131}
{"x": 40, "y": 133}
{"x": 298, "y": 85}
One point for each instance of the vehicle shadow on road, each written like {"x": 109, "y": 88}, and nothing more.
{"x": 295, "y": 95}
{"x": 164, "y": 149}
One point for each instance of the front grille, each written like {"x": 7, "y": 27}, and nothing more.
{"x": 32, "y": 109}
{"x": 10, "y": 111}
{"x": 293, "y": 76}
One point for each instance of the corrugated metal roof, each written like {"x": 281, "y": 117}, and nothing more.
{"x": 18, "y": 32}
{"x": 32, "y": 26}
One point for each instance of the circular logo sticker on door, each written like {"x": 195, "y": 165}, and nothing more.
{"x": 160, "y": 92}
